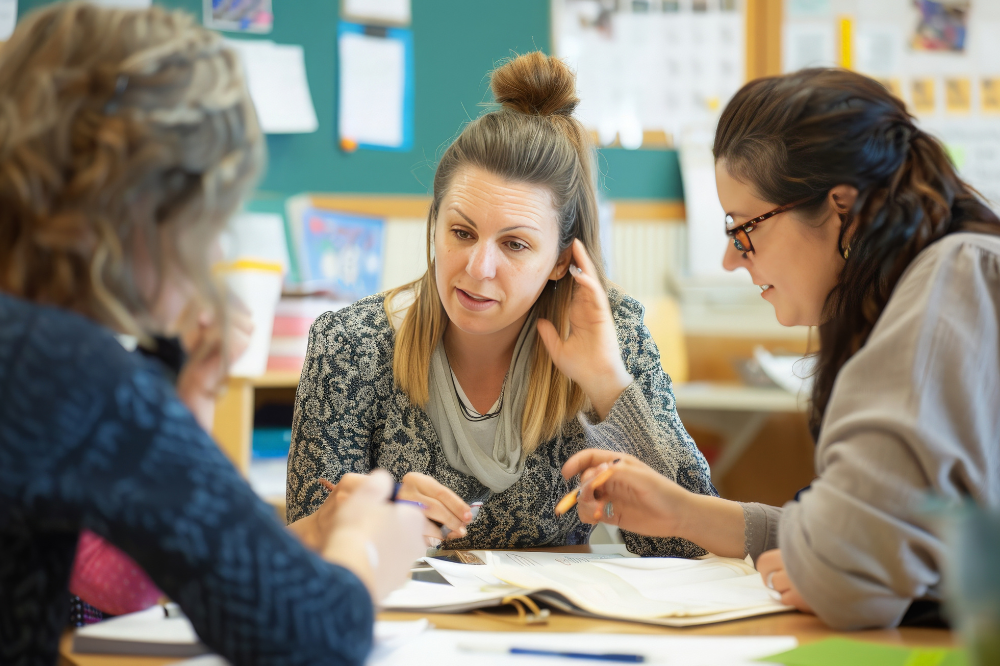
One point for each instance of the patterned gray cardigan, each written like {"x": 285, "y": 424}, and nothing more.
{"x": 350, "y": 417}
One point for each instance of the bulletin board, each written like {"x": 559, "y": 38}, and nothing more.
{"x": 941, "y": 58}
{"x": 455, "y": 43}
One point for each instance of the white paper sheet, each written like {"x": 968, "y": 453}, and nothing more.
{"x": 706, "y": 221}
{"x": 395, "y": 12}
{"x": 279, "y": 87}
{"x": 372, "y": 90}
{"x": 416, "y": 596}
{"x": 125, "y": 4}
{"x": 446, "y": 647}
{"x": 8, "y": 18}
{"x": 808, "y": 44}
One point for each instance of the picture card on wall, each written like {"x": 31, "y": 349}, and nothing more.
{"x": 239, "y": 15}
{"x": 375, "y": 106}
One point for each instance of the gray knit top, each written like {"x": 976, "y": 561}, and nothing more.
{"x": 350, "y": 417}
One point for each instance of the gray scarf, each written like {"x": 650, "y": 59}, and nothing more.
{"x": 502, "y": 469}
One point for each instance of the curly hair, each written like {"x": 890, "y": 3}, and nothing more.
{"x": 117, "y": 128}
{"x": 795, "y": 137}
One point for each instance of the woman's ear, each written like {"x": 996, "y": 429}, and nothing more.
{"x": 562, "y": 264}
{"x": 842, "y": 198}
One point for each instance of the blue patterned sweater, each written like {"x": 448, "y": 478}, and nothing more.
{"x": 94, "y": 437}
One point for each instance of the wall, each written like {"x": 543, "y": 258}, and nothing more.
{"x": 456, "y": 42}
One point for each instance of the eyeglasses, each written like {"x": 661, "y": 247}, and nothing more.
{"x": 741, "y": 233}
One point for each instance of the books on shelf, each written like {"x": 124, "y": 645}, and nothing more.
{"x": 293, "y": 318}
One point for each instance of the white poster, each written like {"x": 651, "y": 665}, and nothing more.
{"x": 279, "y": 87}
{"x": 372, "y": 89}
{"x": 8, "y": 18}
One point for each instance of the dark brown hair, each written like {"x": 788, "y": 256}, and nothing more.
{"x": 795, "y": 137}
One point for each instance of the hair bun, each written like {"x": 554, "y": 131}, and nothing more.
{"x": 535, "y": 84}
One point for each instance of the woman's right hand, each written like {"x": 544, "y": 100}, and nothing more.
{"x": 642, "y": 500}
{"x": 376, "y": 539}
{"x": 646, "y": 502}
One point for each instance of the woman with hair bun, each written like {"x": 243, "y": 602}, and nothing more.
{"x": 851, "y": 218}
{"x": 127, "y": 141}
{"x": 467, "y": 383}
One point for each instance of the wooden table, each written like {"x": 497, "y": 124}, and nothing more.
{"x": 806, "y": 628}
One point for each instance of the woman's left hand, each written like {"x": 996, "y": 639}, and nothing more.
{"x": 590, "y": 355}
{"x": 772, "y": 569}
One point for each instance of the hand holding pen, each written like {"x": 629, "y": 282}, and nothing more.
{"x": 442, "y": 507}
{"x": 636, "y": 497}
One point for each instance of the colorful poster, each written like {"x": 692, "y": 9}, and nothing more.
{"x": 239, "y": 15}
{"x": 341, "y": 253}
{"x": 942, "y": 26}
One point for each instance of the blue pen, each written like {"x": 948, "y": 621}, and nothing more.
{"x": 589, "y": 656}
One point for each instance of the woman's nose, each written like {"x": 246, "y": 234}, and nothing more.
{"x": 733, "y": 258}
{"x": 482, "y": 262}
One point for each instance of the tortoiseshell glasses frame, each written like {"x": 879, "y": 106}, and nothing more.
{"x": 741, "y": 232}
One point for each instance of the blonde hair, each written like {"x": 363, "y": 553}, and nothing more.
{"x": 532, "y": 138}
{"x": 115, "y": 125}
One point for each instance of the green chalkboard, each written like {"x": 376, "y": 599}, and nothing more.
{"x": 456, "y": 42}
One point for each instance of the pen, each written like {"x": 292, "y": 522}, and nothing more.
{"x": 395, "y": 498}
{"x": 591, "y": 656}
{"x": 332, "y": 488}
{"x": 570, "y": 498}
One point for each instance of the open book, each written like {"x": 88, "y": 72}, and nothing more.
{"x": 656, "y": 590}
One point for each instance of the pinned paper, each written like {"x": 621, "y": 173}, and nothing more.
{"x": 8, "y": 18}
{"x": 922, "y": 94}
{"x": 990, "y": 95}
{"x": 125, "y": 4}
{"x": 279, "y": 87}
{"x": 239, "y": 15}
{"x": 376, "y": 87}
{"x": 893, "y": 86}
{"x": 393, "y": 12}
{"x": 958, "y": 95}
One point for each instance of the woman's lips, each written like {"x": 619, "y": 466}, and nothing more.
{"x": 470, "y": 302}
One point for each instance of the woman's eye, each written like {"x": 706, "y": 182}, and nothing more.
{"x": 462, "y": 234}
{"x": 516, "y": 246}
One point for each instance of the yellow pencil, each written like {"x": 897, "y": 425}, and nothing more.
{"x": 569, "y": 500}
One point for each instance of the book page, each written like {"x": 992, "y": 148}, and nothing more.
{"x": 643, "y": 589}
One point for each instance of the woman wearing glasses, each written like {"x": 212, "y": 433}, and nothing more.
{"x": 850, "y": 218}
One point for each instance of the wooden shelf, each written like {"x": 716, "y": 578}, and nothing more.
{"x": 283, "y": 379}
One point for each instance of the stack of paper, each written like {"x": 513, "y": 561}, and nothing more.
{"x": 149, "y": 632}
{"x": 667, "y": 591}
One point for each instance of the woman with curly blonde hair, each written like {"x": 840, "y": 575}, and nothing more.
{"x": 127, "y": 140}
